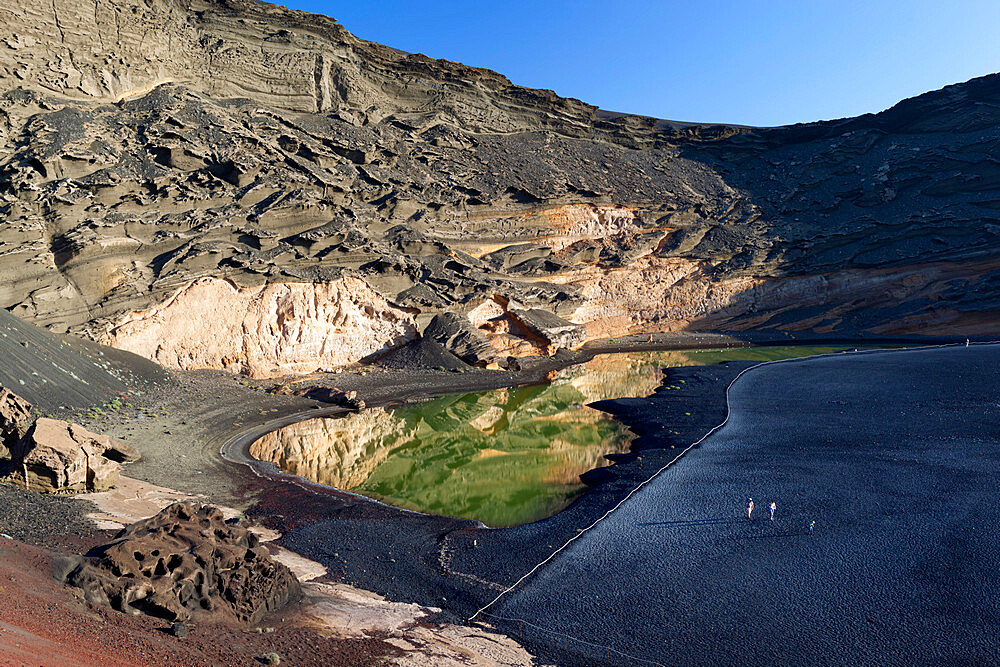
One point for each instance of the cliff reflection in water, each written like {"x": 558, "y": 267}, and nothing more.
{"x": 503, "y": 457}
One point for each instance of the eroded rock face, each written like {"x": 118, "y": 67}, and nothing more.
{"x": 254, "y": 144}
{"x": 513, "y": 330}
{"x": 15, "y": 419}
{"x": 459, "y": 336}
{"x": 575, "y": 223}
{"x": 185, "y": 563}
{"x": 55, "y": 455}
{"x": 266, "y": 331}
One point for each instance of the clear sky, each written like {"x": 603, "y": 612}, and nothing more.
{"x": 753, "y": 62}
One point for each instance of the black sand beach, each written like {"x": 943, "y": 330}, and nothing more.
{"x": 461, "y": 565}
{"x": 893, "y": 454}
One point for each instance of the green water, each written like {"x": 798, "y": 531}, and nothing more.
{"x": 504, "y": 457}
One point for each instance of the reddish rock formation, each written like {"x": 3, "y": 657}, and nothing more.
{"x": 265, "y": 331}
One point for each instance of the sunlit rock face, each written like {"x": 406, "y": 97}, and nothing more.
{"x": 275, "y": 329}
{"x": 677, "y": 294}
{"x": 246, "y": 142}
{"x": 513, "y": 330}
{"x": 574, "y": 223}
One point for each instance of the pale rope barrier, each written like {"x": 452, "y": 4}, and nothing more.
{"x": 608, "y": 650}
{"x": 656, "y": 474}
{"x": 630, "y": 493}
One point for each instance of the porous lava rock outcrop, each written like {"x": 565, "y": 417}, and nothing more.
{"x": 55, "y": 455}
{"x": 267, "y": 148}
{"x": 15, "y": 419}
{"x": 187, "y": 562}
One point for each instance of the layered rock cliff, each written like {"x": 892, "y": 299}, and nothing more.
{"x": 274, "y": 329}
{"x": 146, "y": 147}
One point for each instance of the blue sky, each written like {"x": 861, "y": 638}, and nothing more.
{"x": 755, "y": 62}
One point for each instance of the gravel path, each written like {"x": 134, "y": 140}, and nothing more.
{"x": 37, "y": 519}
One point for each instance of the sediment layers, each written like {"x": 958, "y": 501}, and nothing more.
{"x": 147, "y": 147}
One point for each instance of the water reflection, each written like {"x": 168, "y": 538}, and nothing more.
{"x": 503, "y": 457}
{"x": 337, "y": 452}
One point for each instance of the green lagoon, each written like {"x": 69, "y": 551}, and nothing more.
{"x": 504, "y": 457}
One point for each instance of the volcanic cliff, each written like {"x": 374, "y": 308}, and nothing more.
{"x": 230, "y": 184}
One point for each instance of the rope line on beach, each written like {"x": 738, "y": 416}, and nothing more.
{"x": 630, "y": 494}
{"x": 482, "y": 610}
{"x": 608, "y": 649}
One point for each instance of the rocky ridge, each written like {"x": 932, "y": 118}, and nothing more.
{"x": 148, "y": 150}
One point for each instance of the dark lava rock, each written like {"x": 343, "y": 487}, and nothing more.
{"x": 457, "y": 335}
{"x": 185, "y": 562}
{"x": 348, "y": 399}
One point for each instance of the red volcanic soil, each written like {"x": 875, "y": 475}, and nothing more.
{"x": 43, "y": 622}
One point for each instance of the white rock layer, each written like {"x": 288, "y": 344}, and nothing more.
{"x": 265, "y": 331}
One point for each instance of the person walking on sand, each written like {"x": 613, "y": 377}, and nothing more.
{"x": 812, "y": 524}
{"x": 772, "y": 508}
{"x": 749, "y": 507}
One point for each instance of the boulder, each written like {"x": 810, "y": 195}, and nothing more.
{"x": 15, "y": 419}
{"x": 560, "y": 333}
{"x": 55, "y": 455}
{"x": 457, "y": 335}
{"x": 347, "y": 399}
{"x": 185, "y": 563}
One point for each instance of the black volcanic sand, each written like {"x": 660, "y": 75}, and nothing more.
{"x": 179, "y": 420}
{"x": 459, "y": 564}
{"x": 42, "y": 519}
{"x": 64, "y": 373}
{"x": 894, "y": 455}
